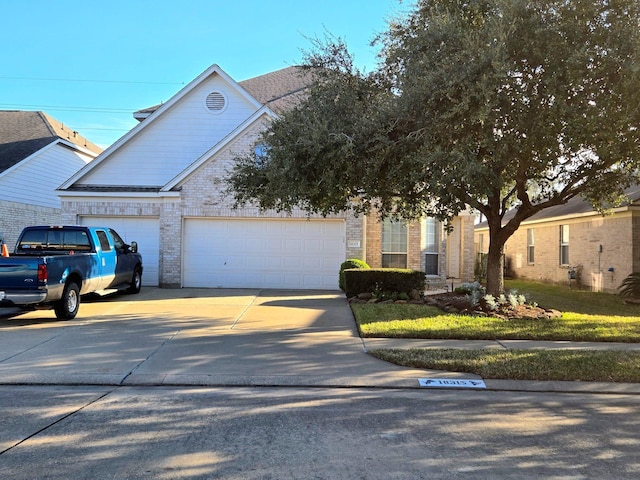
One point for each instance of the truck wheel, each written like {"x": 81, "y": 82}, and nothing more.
{"x": 67, "y": 307}
{"x": 136, "y": 281}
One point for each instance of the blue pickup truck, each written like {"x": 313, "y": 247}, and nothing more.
{"x": 51, "y": 267}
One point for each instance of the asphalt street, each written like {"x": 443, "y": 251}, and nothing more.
{"x": 276, "y": 433}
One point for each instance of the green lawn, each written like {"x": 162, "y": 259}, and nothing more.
{"x": 548, "y": 365}
{"x": 418, "y": 321}
{"x": 571, "y": 300}
{"x": 586, "y": 316}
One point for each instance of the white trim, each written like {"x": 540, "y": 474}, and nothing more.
{"x": 213, "y": 69}
{"x": 89, "y": 195}
{"x": 75, "y": 146}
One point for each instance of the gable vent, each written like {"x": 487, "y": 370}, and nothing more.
{"x": 216, "y": 102}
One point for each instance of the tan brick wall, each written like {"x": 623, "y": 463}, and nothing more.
{"x": 373, "y": 241}
{"x": 203, "y": 194}
{"x": 600, "y": 271}
{"x": 462, "y": 247}
{"x": 170, "y": 261}
{"x": 15, "y": 216}
{"x": 415, "y": 257}
{"x": 468, "y": 250}
{"x": 356, "y": 242}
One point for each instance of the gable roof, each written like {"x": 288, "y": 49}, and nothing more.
{"x": 273, "y": 90}
{"x": 24, "y": 133}
{"x": 277, "y": 90}
{"x": 577, "y": 206}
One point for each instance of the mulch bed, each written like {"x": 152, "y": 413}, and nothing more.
{"x": 455, "y": 303}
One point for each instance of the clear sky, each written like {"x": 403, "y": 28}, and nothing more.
{"x": 91, "y": 64}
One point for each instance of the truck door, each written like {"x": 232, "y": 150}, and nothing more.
{"x": 108, "y": 260}
{"x": 125, "y": 259}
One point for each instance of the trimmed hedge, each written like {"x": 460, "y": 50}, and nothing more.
{"x": 400, "y": 280}
{"x": 348, "y": 264}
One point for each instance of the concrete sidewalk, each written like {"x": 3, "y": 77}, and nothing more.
{"x": 204, "y": 337}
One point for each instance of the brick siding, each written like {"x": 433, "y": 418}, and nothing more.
{"x": 619, "y": 235}
{"x": 16, "y": 216}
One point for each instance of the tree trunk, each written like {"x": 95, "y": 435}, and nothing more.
{"x": 495, "y": 266}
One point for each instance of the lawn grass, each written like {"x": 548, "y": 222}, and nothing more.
{"x": 420, "y": 321}
{"x": 540, "y": 365}
{"x": 586, "y": 316}
{"x": 565, "y": 299}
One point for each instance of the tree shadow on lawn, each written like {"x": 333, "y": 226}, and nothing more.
{"x": 565, "y": 299}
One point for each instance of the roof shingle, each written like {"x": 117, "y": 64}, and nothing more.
{"x": 24, "y": 133}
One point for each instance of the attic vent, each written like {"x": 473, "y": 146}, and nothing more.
{"x": 216, "y": 102}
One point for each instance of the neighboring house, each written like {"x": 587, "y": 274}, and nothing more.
{"x": 597, "y": 251}
{"x": 37, "y": 154}
{"x": 163, "y": 185}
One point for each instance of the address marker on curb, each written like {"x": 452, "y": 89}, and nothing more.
{"x": 450, "y": 383}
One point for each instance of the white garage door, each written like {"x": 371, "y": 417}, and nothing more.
{"x": 145, "y": 231}
{"x": 248, "y": 253}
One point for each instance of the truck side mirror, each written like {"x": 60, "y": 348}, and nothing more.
{"x": 134, "y": 247}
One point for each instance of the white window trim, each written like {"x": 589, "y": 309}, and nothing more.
{"x": 564, "y": 244}
{"x": 531, "y": 246}
{"x": 405, "y": 253}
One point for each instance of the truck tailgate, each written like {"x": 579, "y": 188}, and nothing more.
{"x": 18, "y": 272}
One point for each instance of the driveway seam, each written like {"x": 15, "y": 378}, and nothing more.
{"x": 239, "y": 317}
{"x": 156, "y": 350}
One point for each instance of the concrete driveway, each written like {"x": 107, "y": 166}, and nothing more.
{"x": 198, "y": 337}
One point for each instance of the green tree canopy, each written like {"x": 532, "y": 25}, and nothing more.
{"x": 492, "y": 104}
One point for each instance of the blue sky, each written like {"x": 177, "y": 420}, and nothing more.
{"x": 90, "y": 64}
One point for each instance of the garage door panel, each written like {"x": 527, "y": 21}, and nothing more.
{"x": 262, "y": 253}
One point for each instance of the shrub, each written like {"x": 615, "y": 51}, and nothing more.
{"x": 379, "y": 280}
{"x": 468, "y": 288}
{"x": 512, "y": 300}
{"x": 348, "y": 264}
{"x": 630, "y": 286}
{"x": 472, "y": 290}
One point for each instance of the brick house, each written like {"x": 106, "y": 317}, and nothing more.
{"x": 599, "y": 250}
{"x": 37, "y": 154}
{"x": 163, "y": 185}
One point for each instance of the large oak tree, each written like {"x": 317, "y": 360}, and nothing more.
{"x": 492, "y": 104}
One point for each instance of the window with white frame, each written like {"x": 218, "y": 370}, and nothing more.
{"x": 432, "y": 246}
{"x": 564, "y": 244}
{"x": 394, "y": 244}
{"x": 531, "y": 247}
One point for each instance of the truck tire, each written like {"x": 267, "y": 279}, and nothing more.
{"x": 136, "y": 281}
{"x": 67, "y": 307}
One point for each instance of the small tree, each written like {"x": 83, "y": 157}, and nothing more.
{"x": 493, "y": 104}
